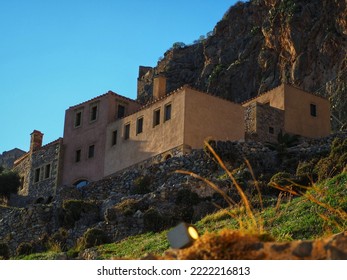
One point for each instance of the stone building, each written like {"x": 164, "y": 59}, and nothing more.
{"x": 171, "y": 124}
{"x": 110, "y": 132}
{"x": 287, "y": 109}
{"x": 40, "y": 168}
{"x": 85, "y": 136}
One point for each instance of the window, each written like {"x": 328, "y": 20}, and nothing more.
{"x": 91, "y": 151}
{"x": 271, "y": 130}
{"x": 313, "y": 109}
{"x": 78, "y": 156}
{"x": 167, "y": 112}
{"x": 81, "y": 183}
{"x": 37, "y": 175}
{"x": 127, "y": 131}
{"x": 139, "y": 125}
{"x": 47, "y": 171}
{"x": 156, "y": 117}
{"x": 93, "y": 112}
{"x": 78, "y": 118}
{"x": 121, "y": 111}
{"x": 114, "y": 137}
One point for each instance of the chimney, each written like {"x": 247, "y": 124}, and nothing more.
{"x": 159, "y": 87}
{"x": 36, "y": 140}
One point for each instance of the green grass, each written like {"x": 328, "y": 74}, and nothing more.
{"x": 135, "y": 247}
{"x": 319, "y": 213}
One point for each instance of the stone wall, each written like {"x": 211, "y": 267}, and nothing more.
{"x": 29, "y": 224}
{"x": 263, "y": 122}
{"x": 22, "y": 167}
{"x": 47, "y": 160}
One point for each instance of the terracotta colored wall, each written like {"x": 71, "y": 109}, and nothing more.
{"x": 210, "y": 116}
{"x": 89, "y": 133}
{"x": 152, "y": 141}
{"x": 298, "y": 119}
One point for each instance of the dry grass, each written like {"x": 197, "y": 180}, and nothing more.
{"x": 248, "y": 220}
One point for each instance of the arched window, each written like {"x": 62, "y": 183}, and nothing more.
{"x": 81, "y": 183}
{"x": 168, "y": 156}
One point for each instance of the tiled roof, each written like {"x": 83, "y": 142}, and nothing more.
{"x": 102, "y": 95}
{"x": 290, "y": 85}
{"x": 52, "y": 143}
{"x": 150, "y": 103}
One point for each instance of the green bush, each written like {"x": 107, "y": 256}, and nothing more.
{"x": 72, "y": 211}
{"x": 24, "y": 248}
{"x": 187, "y": 197}
{"x": 93, "y": 237}
{"x": 282, "y": 179}
{"x": 153, "y": 220}
{"x": 305, "y": 172}
{"x": 59, "y": 239}
{"x": 4, "y": 251}
{"x": 141, "y": 185}
{"x": 335, "y": 162}
{"x": 127, "y": 207}
{"x": 9, "y": 183}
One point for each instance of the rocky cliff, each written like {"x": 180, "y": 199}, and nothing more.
{"x": 258, "y": 45}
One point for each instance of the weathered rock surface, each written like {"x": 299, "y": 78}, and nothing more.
{"x": 257, "y": 46}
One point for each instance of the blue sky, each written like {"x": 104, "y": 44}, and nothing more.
{"x": 58, "y": 53}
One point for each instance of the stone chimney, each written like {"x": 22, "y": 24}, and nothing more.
{"x": 159, "y": 87}
{"x": 36, "y": 140}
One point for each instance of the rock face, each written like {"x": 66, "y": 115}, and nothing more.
{"x": 257, "y": 46}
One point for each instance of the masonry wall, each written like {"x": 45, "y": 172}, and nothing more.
{"x": 22, "y": 167}
{"x": 153, "y": 140}
{"x": 263, "y": 122}
{"x": 48, "y": 161}
{"x": 208, "y": 116}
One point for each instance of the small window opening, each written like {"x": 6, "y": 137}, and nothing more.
{"x": 139, "y": 126}
{"x": 78, "y": 156}
{"x": 167, "y": 112}
{"x": 127, "y": 131}
{"x": 91, "y": 151}
{"x": 313, "y": 109}
{"x": 156, "y": 117}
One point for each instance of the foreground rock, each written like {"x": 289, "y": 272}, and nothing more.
{"x": 231, "y": 245}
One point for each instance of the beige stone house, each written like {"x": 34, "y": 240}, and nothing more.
{"x": 288, "y": 109}
{"x": 172, "y": 124}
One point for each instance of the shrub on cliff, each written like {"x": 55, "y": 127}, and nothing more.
{"x": 93, "y": 237}
{"x": 4, "y": 251}
{"x": 24, "y": 248}
{"x": 141, "y": 185}
{"x": 73, "y": 210}
{"x": 335, "y": 163}
{"x": 153, "y": 220}
{"x": 9, "y": 183}
{"x": 187, "y": 197}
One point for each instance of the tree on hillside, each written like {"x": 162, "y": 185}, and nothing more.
{"x": 9, "y": 182}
